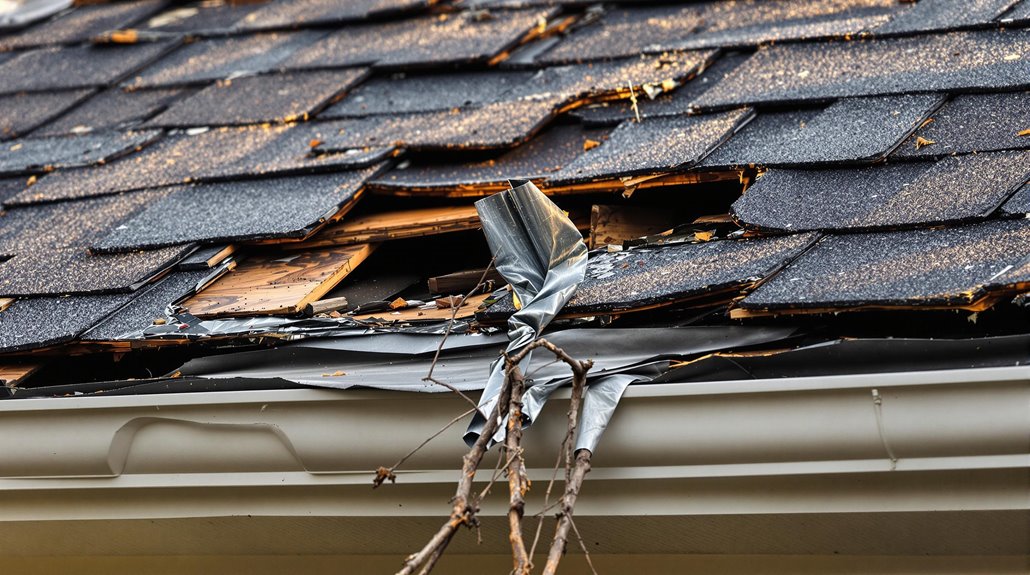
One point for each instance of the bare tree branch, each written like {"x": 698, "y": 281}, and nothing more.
{"x": 465, "y": 505}
{"x": 518, "y": 480}
{"x": 561, "y": 533}
{"x": 384, "y": 473}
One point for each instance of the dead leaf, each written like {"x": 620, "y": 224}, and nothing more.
{"x": 124, "y": 37}
{"x": 590, "y": 144}
{"x": 399, "y": 303}
{"x": 314, "y": 143}
{"x": 703, "y": 236}
{"x": 334, "y": 374}
{"x": 1023, "y": 133}
{"x": 922, "y": 142}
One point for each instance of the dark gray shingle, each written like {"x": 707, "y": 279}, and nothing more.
{"x": 973, "y": 123}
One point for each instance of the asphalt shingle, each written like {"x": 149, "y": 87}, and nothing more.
{"x": 298, "y": 13}
{"x": 916, "y": 268}
{"x": 82, "y": 23}
{"x": 113, "y": 109}
{"x": 425, "y": 93}
{"x": 955, "y": 61}
{"x": 223, "y": 58}
{"x": 973, "y": 123}
{"x": 535, "y": 160}
{"x": 80, "y": 272}
{"x": 39, "y": 322}
{"x": 632, "y": 30}
{"x": 946, "y": 14}
{"x": 146, "y": 306}
{"x": 1019, "y": 203}
{"x": 40, "y": 154}
{"x": 674, "y": 103}
{"x": 953, "y": 189}
{"x": 852, "y": 130}
{"x": 22, "y": 113}
{"x": 257, "y": 99}
{"x": 234, "y": 211}
{"x": 459, "y": 38}
{"x": 653, "y": 145}
{"x": 75, "y": 67}
{"x": 68, "y": 224}
{"x": 470, "y": 128}
{"x": 216, "y": 154}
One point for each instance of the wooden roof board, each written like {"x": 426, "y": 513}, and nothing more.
{"x": 384, "y": 226}
{"x": 910, "y": 269}
{"x": 276, "y": 98}
{"x": 278, "y": 283}
{"x": 290, "y": 207}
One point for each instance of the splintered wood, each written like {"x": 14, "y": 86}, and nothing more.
{"x": 396, "y": 225}
{"x": 12, "y": 374}
{"x": 616, "y": 224}
{"x": 466, "y": 310}
{"x": 281, "y": 283}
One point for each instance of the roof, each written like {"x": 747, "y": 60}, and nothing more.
{"x": 179, "y": 180}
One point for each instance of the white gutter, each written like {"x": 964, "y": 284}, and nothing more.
{"x": 938, "y": 450}
{"x": 968, "y": 419}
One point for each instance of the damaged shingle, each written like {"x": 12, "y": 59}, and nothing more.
{"x": 946, "y": 14}
{"x": 973, "y": 123}
{"x": 113, "y": 109}
{"x": 78, "y": 67}
{"x": 653, "y": 145}
{"x": 81, "y": 272}
{"x": 470, "y": 128}
{"x": 246, "y": 210}
{"x": 82, "y": 23}
{"x": 39, "y": 322}
{"x": 297, "y": 13}
{"x": 536, "y": 159}
{"x": 851, "y": 130}
{"x": 22, "y": 113}
{"x": 222, "y": 58}
{"x": 459, "y": 38}
{"x": 257, "y": 99}
{"x": 39, "y": 154}
{"x": 917, "y": 268}
{"x": 953, "y": 189}
{"x": 1019, "y": 13}
{"x": 787, "y": 73}
{"x": 645, "y": 277}
{"x": 146, "y": 306}
{"x": 204, "y": 17}
{"x": 212, "y": 155}
{"x": 425, "y": 93}
{"x": 673, "y": 103}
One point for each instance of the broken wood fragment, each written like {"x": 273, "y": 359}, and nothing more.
{"x": 281, "y": 283}
{"x": 325, "y": 306}
{"x": 464, "y": 281}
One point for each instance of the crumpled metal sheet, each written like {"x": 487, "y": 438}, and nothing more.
{"x": 537, "y": 250}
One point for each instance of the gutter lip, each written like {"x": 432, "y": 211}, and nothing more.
{"x": 1011, "y": 374}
